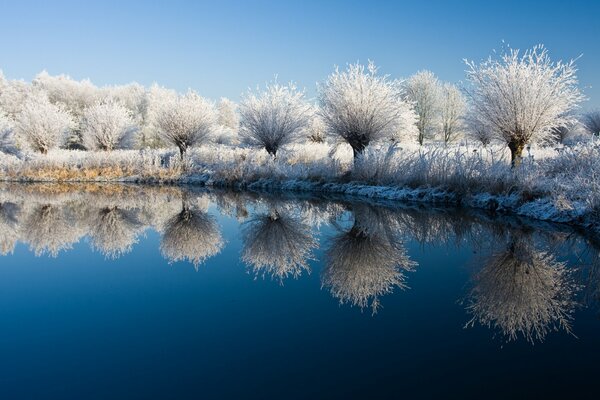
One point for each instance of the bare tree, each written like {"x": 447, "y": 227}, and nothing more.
{"x": 523, "y": 97}
{"x": 359, "y": 106}
{"x": 523, "y": 291}
{"x": 452, "y": 110}
{"x": 277, "y": 245}
{"x": 274, "y": 117}
{"x": 423, "y": 90}
{"x": 107, "y": 126}
{"x": 42, "y": 125}
{"x": 186, "y": 121}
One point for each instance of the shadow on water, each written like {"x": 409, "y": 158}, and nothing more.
{"x": 527, "y": 277}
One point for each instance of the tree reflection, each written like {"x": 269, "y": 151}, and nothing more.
{"x": 191, "y": 235}
{"x": 367, "y": 261}
{"x": 9, "y": 227}
{"x": 50, "y": 229}
{"x": 277, "y": 245}
{"x": 114, "y": 231}
{"x": 523, "y": 292}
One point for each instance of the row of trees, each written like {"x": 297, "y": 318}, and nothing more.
{"x": 514, "y": 98}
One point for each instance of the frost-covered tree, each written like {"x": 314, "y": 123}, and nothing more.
{"x": 277, "y": 245}
{"x": 317, "y": 131}
{"x": 186, "y": 121}
{"x": 452, "y": 110}
{"x": 191, "y": 235}
{"x": 591, "y": 122}
{"x": 274, "y": 117}
{"x": 42, "y": 125}
{"x": 423, "y": 90}
{"x": 523, "y": 97}
{"x": 359, "y": 106}
{"x": 156, "y": 97}
{"x": 107, "y": 126}
{"x": 7, "y": 137}
{"x": 13, "y": 94}
{"x": 133, "y": 97}
{"x": 477, "y": 130}
{"x": 227, "y": 114}
{"x": 366, "y": 262}
{"x": 523, "y": 291}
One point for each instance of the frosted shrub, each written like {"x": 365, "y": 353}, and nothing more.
{"x": 107, "y": 126}
{"x": 42, "y": 125}
{"x": 274, "y": 117}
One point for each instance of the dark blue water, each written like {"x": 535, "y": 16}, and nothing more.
{"x": 131, "y": 292}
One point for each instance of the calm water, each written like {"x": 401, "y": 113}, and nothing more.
{"x": 133, "y": 292}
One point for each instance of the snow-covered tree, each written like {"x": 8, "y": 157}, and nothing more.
{"x": 186, "y": 121}
{"x": 156, "y": 98}
{"x": 7, "y": 137}
{"x": 133, "y": 97}
{"x": 277, "y": 245}
{"x": 423, "y": 90}
{"x": 591, "y": 122}
{"x": 274, "y": 117}
{"x": 477, "y": 130}
{"x": 359, "y": 106}
{"x": 523, "y": 291}
{"x": 523, "y": 97}
{"x": 227, "y": 114}
{"x": 317, "y": 131}
{"x": 13, "y": 94}
{"x": 42, "y": 125}
{"x": 107, "y": 126}
{"x": 191, "y": 235}
{"x": 452, "y": 110}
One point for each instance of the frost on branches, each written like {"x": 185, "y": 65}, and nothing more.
{"x": 186, "y": 121}
{"x": 523, "y": 97}
{"x": 423, "y": 91}
{"x": 361, "y": 107}
{"x": 274, "y": 117}
{"x": 42, "y": 125}
{"x": 107, "y": 126}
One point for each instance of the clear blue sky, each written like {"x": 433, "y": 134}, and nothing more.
{"x": 220, "y": 48}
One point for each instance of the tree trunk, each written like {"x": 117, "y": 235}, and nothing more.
{"x": 181, "y": 152}
{"x": 516, "y": 152}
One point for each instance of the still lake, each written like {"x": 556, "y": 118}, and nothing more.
{"x": 115, "y": 291}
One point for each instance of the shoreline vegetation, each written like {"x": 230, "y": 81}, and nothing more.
{"x": 511, "y": 140}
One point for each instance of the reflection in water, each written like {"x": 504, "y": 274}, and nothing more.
{"x": 277, "y": 245}
{"x": 523, "y": 291}
{"x": 520, "y": 291}
{"x": 51, "y": 228}
{"x": 366, "y": 261}
{"x": 114, "y": 231}
{"x": 191, "y": 235}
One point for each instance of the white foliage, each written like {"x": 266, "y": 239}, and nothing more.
{"x": 359, "y": 106}
{"x": 42, "y": 125}
{"x": 274, "y": 117}
{"x": 423, "y": 90}
{"x": 107, "y": 126}
{"x": 186, "y": 121}
{"x": 523, "y": 97}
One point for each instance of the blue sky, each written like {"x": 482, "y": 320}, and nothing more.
{"x": 220, "y": 48}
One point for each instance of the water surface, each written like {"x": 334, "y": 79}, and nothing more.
{"x": 135, "y": 292}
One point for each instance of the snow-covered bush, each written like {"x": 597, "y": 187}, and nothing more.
{"x": 423, "y": 91}
{"x": 591, "y": 122}
{"x": 186, "y": 121}
{"x": 274, "y": 117}
{"x": 42, "y": 125}
{"x": 359, "y": 107}
{"x": 523, "y": 97}
{"x": 7, "y": 137}
{"x": 107, "y": 126}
